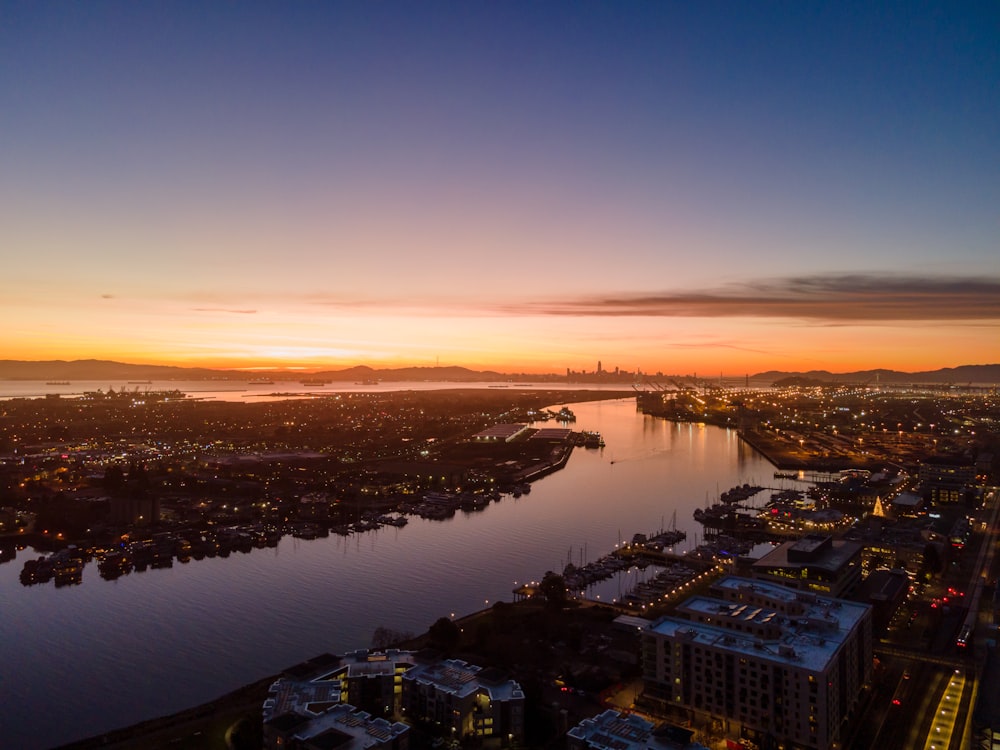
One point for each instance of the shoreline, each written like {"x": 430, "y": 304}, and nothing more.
{"x": 243, "y": 703}
{"x": 151, "y": 733}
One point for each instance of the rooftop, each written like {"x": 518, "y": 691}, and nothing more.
{"x": 816, "y": 551}
{"x": 552, "y": 433}
{"x": 500, "y": 432}
{"x": 908, "y": 500}
{"x": 312, "y": 687}
{"x": 808, "y": 639}
{"x": 302, "y": 698}
{"x": 343, "y": 726}
{"x": 462, "y": 679}
{"x": 612, "y": 730}
{"x": 365, "y": 663}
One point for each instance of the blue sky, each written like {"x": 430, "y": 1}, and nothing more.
{"x": 490, "y": 182}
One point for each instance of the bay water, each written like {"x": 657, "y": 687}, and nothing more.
{"x": 81, "y": 660}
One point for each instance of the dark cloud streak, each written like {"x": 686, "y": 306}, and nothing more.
{"x": 837, "y": 299}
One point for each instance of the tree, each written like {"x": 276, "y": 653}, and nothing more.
{"x": 553, "y": 588}
{"x": 444, "y": 634}
{"x": 114, "y": 478}
{"x": 384, "y": 638}
{"x": 502, "y": 612}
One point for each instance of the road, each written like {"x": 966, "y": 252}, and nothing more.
{"x": 926, "y": 698}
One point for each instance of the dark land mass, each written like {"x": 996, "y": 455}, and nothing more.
{"x": 261, "y": 451}
{"x": 93, "y": 369}
{"x": 96, "y": 369}
{"x": 963, "y": 375}
{"x": 808, "y": 426}
{"x": 296, "y": 466}
{"x": 282, "y": 451}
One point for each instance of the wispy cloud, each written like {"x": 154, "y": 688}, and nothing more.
{"x": 832, "y": 299}
{"x": 225, "y": 310}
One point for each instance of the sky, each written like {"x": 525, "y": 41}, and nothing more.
{"x": 709, "y": 187}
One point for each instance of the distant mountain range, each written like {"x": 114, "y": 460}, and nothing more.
{"x": 981, "y": 374}
{"x": 94, "y": 369}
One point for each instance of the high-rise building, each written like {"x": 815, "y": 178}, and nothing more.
{"x": 761, "y": 662}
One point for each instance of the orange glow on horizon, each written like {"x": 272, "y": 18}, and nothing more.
{"x": 312, "y": 338}
{"x": 706, "y": 367}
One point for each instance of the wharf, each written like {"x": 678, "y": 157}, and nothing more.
{"x": 657, "y": 557}
{"x": 557, "y": 459}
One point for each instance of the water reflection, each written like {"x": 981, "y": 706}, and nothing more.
{"x": 110, "y": 653}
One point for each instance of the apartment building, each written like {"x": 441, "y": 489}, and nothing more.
{"x": 761, "y": 663}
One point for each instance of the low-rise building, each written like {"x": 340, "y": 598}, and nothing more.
{"x": 341, "y": 726}
{"x": 896, "y": 553}
{"x": 817, "y": 563}
{"x": 500, "y": 433}
{"x": 464, "y": 700}
{"x": 907, "y": 504}
{"x": 885, "y": 590}
{"x": 373, "y": 680}
{"x": 612, "y": 730}
{"x": 945, "y": 479}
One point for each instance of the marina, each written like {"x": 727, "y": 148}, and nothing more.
{"x": 230, "y": 620}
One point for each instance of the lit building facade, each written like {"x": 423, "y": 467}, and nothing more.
{"x": 772, "y": 666}
{"x": 464, "y": 700}
{"x": 460, "y": 699}
{"x": 945, "y": 480}
{"x": 816, "y": 563}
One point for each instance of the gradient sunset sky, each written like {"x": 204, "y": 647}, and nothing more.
{"x": 676, "y": 186}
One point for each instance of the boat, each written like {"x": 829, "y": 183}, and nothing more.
{"x": 313, "y": 382}
{"x": 140, "y": 382}
{"x": 56, "y": 382}
{"x": 114, "y": 564}
{"x": 740, "y": 493}
{"x": 39, "y": 570}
